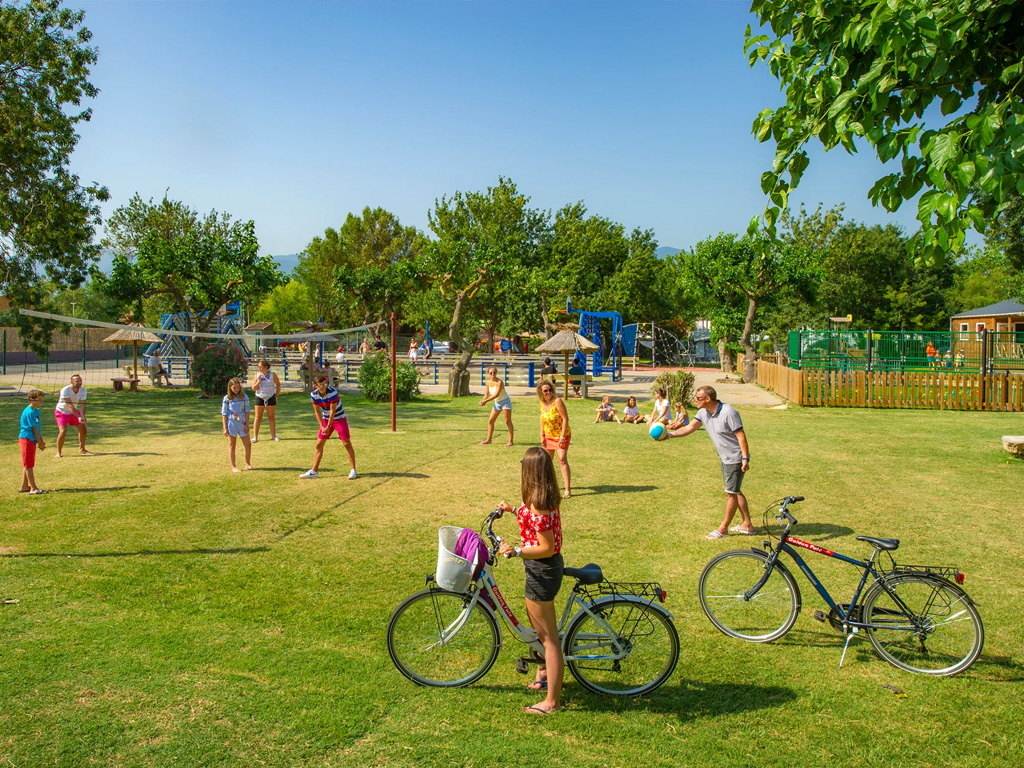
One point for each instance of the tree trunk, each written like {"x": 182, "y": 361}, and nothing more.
{"x": 545, "y": 317}
{"x": 458, "y": 379}
{"x": 750, "y": 354}
{"x": 726, "y": 357}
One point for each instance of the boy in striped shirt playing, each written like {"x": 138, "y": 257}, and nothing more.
{"x": 330, "y": 417}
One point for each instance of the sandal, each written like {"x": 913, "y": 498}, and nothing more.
{"x": 36, "y": 492}
{"x": 538, "y": 685}
{"x": 716, "y": 534}
{"x": 535, "y": 710}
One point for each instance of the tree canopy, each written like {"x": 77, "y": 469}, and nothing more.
{"x": 47, "y": 216}
{"x": 198, "y": 263}
{"x": 856, "y": 71}
{"x": 482, "y": 237}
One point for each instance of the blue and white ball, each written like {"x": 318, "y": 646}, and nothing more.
{"x": 659, "y": 431}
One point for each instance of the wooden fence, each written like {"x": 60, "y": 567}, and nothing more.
{"x": 931, "y": 390}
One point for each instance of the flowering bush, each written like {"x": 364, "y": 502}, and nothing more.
{"x": 216, "y": 365}
{"x": 375, "y": 378}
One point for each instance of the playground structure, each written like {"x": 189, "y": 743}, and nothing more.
{"x": 590, "y": 328}
{"x": 907, "y": 351}
{"x": 666, "y": 349}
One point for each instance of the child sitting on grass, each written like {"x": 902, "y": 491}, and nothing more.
{"x": 30, "y": 437}
{"x": 632, "y": 414}
{"x": 606, "y": 411}
{"x": 682, "y": 417}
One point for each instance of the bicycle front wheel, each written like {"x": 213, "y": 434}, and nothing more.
{"x": 923, "y": 624}
{"x": 641, "y": 633}
{"x": 766, "y": 615}
{"x": 428, "y": 645}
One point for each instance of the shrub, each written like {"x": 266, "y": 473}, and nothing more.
{"x": 216, "y": 365}
{"x": 375, "y": 378}
{"x": 766, "y": 347}
{"x": 678, "y": 386}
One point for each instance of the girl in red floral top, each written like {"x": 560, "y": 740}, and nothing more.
{"x": 540, "y": 529}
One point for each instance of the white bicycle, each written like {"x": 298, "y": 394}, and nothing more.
{"x": 617, "y": 639}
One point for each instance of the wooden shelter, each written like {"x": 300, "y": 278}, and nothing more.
{"x": 133, "y": 336}
{"x": 567, "y": 341}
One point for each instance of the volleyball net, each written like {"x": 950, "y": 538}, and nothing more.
{"x": 79, "y": 346}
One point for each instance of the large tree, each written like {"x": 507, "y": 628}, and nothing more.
{"x": 47, "y": 216}
{"x": 482, "y": 237}
{"x": 745, "y": 275}
{"x": 363, "y": 270}
{"x": 866, "y": 72}
{"x": 197, "y": 262}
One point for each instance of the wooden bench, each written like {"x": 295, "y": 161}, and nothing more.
{"x": 133, "y": 384}
{"x": 581, "y": 379}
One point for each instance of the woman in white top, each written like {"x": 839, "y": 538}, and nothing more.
{"x": 266, "y": 386}
{"x": 412, "y": 351}
{"x": 502, "y": 404}
{"x": 660, "y": 412}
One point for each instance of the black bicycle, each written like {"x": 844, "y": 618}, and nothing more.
{"x": 916, "y": 617}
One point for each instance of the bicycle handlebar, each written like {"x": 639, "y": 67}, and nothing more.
{"x": 495, "y": 538}
{"x": 785, "y": 513}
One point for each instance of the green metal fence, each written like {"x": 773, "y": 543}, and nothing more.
{"x": 985, "y": 352}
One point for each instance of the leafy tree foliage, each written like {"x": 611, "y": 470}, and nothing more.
{"x": 739, "y": 276}
{"x": 198, "y": 263}
{"x": 362, "y": 271}
{"x": 867, "y": 71}
{"x": 286, "y": 304}
{"x": 482, "y": 237}
{"x": 47, "y": 217}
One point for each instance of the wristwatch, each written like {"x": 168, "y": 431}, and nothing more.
{"x": 518, "y": 551}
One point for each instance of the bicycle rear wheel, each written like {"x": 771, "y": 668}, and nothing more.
{"x": 419, "y": 648}
{"x": 767, "y": 615}
{"x": 650, "y": 640}
{"x": 926, "y": 624}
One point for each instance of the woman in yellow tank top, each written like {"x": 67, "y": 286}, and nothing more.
{"x": 555, "y": 434}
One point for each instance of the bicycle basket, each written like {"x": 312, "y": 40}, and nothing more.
{"x": 453, "y": 572}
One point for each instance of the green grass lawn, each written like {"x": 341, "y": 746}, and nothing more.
{"x": 173, "y": 613}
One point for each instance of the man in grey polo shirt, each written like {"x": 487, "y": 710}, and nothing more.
{"x": 724, "y": 427}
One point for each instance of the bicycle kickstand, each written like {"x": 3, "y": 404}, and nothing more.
{"x": 849, "y": 636}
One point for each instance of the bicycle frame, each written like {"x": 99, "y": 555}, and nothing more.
{"x": 784, "y": 546}
{"x": 487, "y": 586}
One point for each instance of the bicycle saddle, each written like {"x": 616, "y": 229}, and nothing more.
{"x": 880, "y": 543}
{"x": 588, "y": 574}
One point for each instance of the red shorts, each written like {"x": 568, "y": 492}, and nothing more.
{"x": 66, "y": 419}
{"x": 28, "y": 452}
{"x": 551, "y": 443}
{"x": 338, "y": 425}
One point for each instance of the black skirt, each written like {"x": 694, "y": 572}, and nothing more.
{"x": 543, "y": 578}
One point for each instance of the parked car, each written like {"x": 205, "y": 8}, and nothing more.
{"x": 440, "y": 348}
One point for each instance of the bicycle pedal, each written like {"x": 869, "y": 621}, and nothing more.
{"x": 820, "y": 616}
{"x": 522, "y": 666}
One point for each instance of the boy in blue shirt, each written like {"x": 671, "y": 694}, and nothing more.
{"x": 30, "y": 437}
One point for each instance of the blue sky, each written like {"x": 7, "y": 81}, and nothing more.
{"x": 295, "y": 113}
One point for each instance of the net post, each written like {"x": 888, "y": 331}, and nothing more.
{"x": 394, "y": 388}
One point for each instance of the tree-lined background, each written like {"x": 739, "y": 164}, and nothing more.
{"x": 491, "y": 263}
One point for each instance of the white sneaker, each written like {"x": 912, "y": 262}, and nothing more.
{"x": 352, "y": 475}
{"x": 276, "y": 439}
{"x": 255, "y": 440}
{"x": 310, "y": 474}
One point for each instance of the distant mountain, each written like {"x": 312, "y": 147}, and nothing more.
{"x": 666, "y": 250}
{"x": 287, "y": 262}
